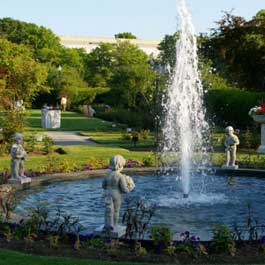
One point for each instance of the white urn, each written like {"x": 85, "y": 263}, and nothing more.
{"x": 261, "y": 119}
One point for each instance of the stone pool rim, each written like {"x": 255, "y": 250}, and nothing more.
{"x": 79, "y": 175}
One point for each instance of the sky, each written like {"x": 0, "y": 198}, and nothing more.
{"x": 147, "y": 19}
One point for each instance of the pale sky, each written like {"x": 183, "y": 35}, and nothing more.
{"x": 147, "y": 19}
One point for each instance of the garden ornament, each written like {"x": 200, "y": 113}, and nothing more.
{"x": 18, "y": 156}
{"x": 231, "y": 142}
{"x": 114, "y": 185}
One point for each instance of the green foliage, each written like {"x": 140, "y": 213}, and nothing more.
{"x": 87, "y": 95}
{"x": 211, "y": 78}
{"x": 126, "y": 136}
{"x": 95, "y": 242}
{"x": 48, "y": 143}
{"x": 99, "y": 65}
{"x": 29, "y": 34}
{"x": 137, "y": 216}
{"x": 125, "y": 70}
{"x": 237, "y": 49}
{"x": 250, "y": 139}
{"x": 228, "y": 106}
{"x": 140, "y": 251}
{"x": 161, "y": 235}
{"x": 222, "y": 241}
{"x": 148, "y": 161}
{"x": 125, "y": 35}
{"x": 131, "y": 118}
{"x": 11, "y": 121}
{"x": 167, "y": 48}
{"x": 143, "y": 134}
{"x": 22, "y": 77}
{"x": 133, "y": 79}
{"x": 186, "y": 248}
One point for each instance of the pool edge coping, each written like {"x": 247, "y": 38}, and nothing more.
{"x": 79, "y": 175}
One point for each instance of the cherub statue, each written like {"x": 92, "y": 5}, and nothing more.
{"x": 114, "y": 185}
{"x": 231, "y": 142}
{"x": 18, "y": 155}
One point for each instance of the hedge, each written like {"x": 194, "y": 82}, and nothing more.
{"x": 231, "y": 107}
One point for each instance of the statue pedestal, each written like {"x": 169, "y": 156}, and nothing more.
{"x": 21, "y": 180}
{"x": 116, "y": 233}
{"x": 261, "y": 119}
{"x": 50, "y": 118}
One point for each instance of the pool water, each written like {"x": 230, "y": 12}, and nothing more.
{"x": 222, "y": 200}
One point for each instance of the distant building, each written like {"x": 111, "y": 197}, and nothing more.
{"x": 90, "y": 43}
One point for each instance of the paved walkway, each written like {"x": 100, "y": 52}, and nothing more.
{"x": 69, "y": 138}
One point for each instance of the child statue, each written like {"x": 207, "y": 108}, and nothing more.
{"x": 231, "y": 142}
{"x": 18, "y": 156}
{"x": 114, "y": 185}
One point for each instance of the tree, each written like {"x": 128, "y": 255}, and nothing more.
{"x": 99, "y": 65}
{"x": 37, "y": 38}
{"x": 237, "y": 49}
{"x": 125, "y": 35}
{"x": 21, "y": 78}
{"x": 167, "y": 48}
{"x": 132, "y": 82}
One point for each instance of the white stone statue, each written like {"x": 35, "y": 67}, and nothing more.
{"x": 231, "y": 142}
{"x": 115, "y": 184}
{"x": 18, "y": 156}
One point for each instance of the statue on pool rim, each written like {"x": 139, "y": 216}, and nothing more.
{"x": 231, "y": 142}
{"x": 115, "y": 184}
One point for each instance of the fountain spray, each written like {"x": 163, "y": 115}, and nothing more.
{"x": 185, "y": 124}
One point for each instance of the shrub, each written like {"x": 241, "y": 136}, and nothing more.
{"x": 126, "y": 136}
{"x": 60, "y": 151}
{"x": 132, "y": 119}
{"x": 186, "y": 248}
{"x": 148, "y": 161}
{"x": 48, "y": 143}
{"x": 137, "y": 216}
{"x": 143, "y": 134}
{"x": 161, "y": 235}
{"x": 222, "y": 241}
{"x": 231, "y": 107}
{"x": 249, "y": 139}
{"x": 95, "y": 242}
{"x": 140, "y": 251}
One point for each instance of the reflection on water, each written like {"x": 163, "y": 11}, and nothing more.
{"x": 224, "y": 202}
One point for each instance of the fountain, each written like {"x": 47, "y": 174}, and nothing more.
{"x": 185, "y": 125}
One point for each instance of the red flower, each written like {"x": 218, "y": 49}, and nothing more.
{"x": 262, "y": 108}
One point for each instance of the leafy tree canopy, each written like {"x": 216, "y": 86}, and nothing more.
{"x": 237, "y": 49}
{"x": 125, "y": 35}
{"x": 21, "y": 76}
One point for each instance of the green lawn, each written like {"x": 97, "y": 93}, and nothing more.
{"x": 71, "y": 121}
{"x": 112, "y": 142}
{"x": 77, "y": 156}
{"x": 116, "y": 139}
{"x": 8, "y": 257}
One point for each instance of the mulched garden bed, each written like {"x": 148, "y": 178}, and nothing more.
{"x": 124, "y": 251}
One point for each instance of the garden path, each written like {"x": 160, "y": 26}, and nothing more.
{"x": 69, "y": 138}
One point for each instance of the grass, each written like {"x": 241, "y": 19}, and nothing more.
{"x": 116, "y": 139}
{"x": 8, "y": 257}
{"x": 70, "y": 121}
{"x": 76, "y": 156}
{"x": 112, "y": 142}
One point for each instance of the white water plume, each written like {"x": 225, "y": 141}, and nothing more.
{"x": 185, "y": 125}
